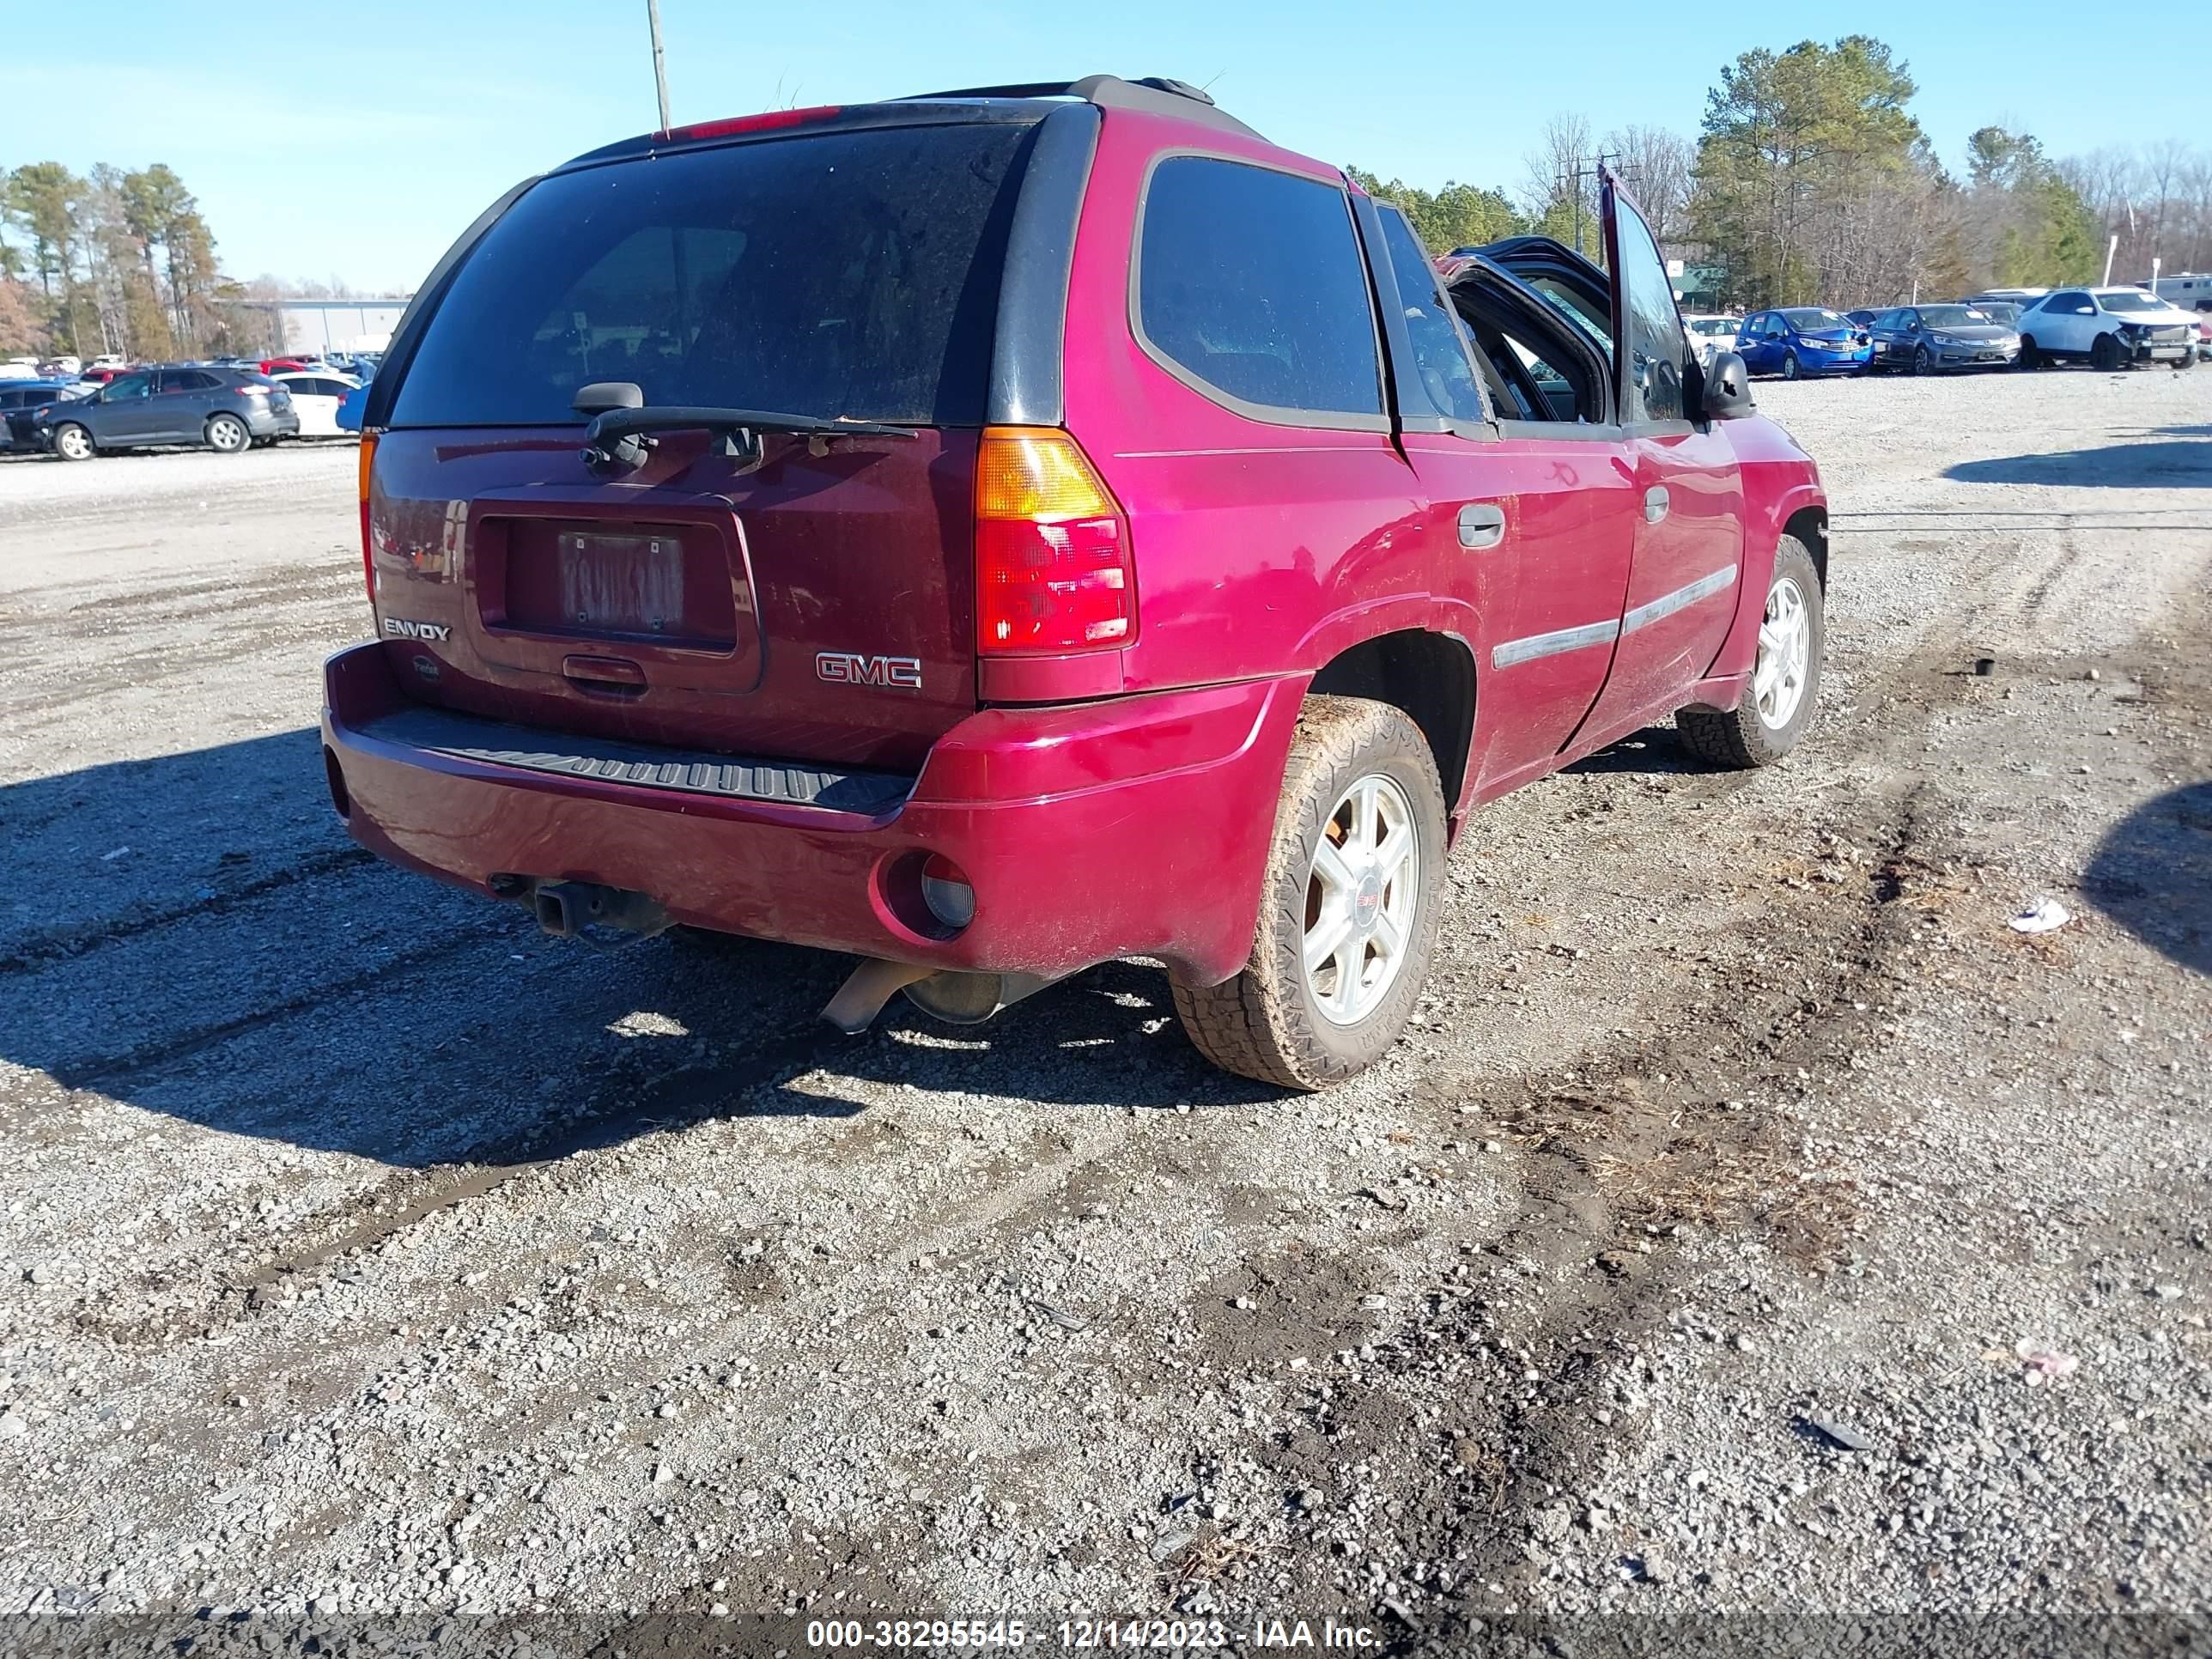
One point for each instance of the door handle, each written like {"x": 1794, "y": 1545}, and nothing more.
{"x": 1655, "y": 502}
{"x": 1481, "y": 525}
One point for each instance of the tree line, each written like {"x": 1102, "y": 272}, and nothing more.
{"x": 1810, "y": 181}
{"x": 108, "y": 261}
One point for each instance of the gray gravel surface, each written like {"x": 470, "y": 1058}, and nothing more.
{"x": 1754, "y": 1220}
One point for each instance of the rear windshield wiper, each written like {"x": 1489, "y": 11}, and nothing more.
{"x": 619, "y": 436}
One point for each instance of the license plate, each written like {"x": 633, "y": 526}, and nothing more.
{"x": 620, "y": 584}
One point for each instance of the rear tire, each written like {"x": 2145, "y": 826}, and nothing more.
{"x": 1360, "y": 776}
{"x": 2105, "y": 354}
{"x": 73, "y": 443}
{"x": 2190, "y": 361}
{"x": 227, "y": 434}
{"x": 1774, "y": 712}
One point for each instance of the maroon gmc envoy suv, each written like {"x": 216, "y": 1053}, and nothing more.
{"x": 1001, "y": 531}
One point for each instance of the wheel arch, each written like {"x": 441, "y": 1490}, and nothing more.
{"x": 1430, "y": 676}
{"x": 1809, "y": 524}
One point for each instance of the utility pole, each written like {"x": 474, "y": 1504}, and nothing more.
{"x": 1585, "y": 167}
{"x": 660, "y": 63}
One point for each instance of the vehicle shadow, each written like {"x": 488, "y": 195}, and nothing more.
{"x": 2167, "y": 462}
{"x": 1654, "y": 750}
{"x": 207, "y": 943}
{"x": 2153, "y": 874}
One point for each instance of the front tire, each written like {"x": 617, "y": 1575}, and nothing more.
{"x": 2029, "y": 357}
{"x": 1347, "y": 905}
{"x": 2105, "y": 354}
{"x": 1922, "y": 363}
{"x": 1791, "y": 369}
{"x": 1785, "y": 679}
{"x": 73, "y": 443}
{"x": 227, "y": 435}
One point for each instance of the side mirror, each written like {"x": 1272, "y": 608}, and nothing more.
{"x": 1728, "y": 388}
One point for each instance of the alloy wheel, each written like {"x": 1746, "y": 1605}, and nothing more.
{"x": 1360, "y": 896}
{"x": 73, "y": 443}
{"x": 1785, "y": 650}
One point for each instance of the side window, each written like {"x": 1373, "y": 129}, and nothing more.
{"x": 1250, "y": 282}
{"x": 1440, "y": 356}
{"x": 2069, "y": 303}
{"x": 1652, "y": 323}
{"x": 130, "y": 386}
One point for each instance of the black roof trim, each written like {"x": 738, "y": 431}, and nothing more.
{"x": 1156, "y": 94}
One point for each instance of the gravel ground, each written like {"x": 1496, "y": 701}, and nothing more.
{"x": 1754, "y": 1223}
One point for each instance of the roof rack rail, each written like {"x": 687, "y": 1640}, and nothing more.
{"x": 1158, "y": 93}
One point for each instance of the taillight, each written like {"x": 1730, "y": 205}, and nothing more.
{"x": 255, "y": 390}
{"x": 1052, "y": 548}
{"x": 367, "y": 549}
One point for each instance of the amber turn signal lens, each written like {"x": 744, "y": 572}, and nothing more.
{"x": 1036, "y": 474}
{"x": 367, "y": 550}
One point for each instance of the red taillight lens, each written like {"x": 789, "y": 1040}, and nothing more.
{"x": 1052, "y": 571}
{"x": 368, "y": 545}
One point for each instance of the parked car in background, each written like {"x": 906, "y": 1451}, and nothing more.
{"x": 100, "y": 374}
{"x": 1923, "y": 339}
{"x": 2022, "y": 297}
{"x": 284, "y": 365}
{"x": 226, "y": 410}
{"x": 315, "y": 399}
{"x": 997, "y": 599}
{"x": 20, "y": 399}
{"x": 1862, "y": 318}
{"x": 348, "y": 414}
{"x": 2203, "y": 336}
{"x": 20, "y": 368}
{"x": 1709, "y": 332}
{"x": 2109, "y": 328}
{"x": 1802, "y": 340}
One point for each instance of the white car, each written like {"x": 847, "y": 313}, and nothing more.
{"x": 2112, "y": 327}
{"x": 315, "y": 398}
{"x": 1709, "y": 332}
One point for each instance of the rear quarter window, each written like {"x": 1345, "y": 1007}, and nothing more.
{"x": 833, "y": 274}
{"x": 1250, "y": 286}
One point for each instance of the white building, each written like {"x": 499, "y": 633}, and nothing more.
{"x": 308, "y": 327}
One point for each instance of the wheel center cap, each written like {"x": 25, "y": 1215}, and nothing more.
{"x": 1367, "y": 900}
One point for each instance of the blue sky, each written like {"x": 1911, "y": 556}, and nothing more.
{"x": 357, "y": 140}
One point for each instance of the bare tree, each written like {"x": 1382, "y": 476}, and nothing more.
{"x": 1656, "y": 165}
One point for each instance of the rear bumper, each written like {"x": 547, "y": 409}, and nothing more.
{"x": 1134, "y": 827}
{"x": 265, "y": 423}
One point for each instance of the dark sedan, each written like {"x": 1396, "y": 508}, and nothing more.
{"x": 1924, "y": 338}
{"x": 19, "y": 399}
{"x": 227, "y": 410}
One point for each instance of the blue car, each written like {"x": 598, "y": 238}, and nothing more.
{"x": 349, "y": 408}
{"x": 1801, "y": 340}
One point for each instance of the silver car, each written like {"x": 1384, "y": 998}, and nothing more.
{"x": 1924, "y": 338}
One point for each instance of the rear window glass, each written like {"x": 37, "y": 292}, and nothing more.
{"x": 1251, "y": 282}
{"x": 852, "y": 274}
